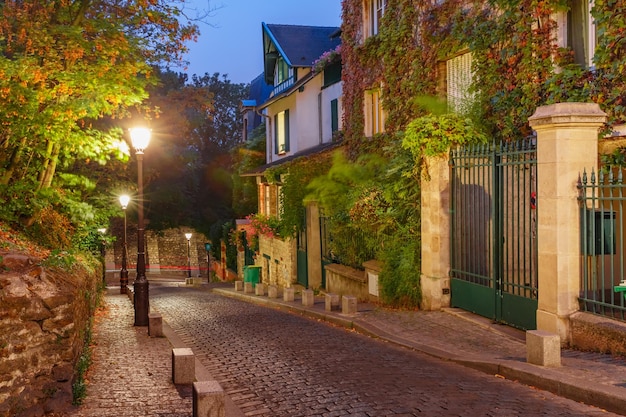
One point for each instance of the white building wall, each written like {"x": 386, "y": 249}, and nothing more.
{"x": 328, "y": 94}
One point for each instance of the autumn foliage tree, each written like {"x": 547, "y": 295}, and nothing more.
{"x": 65, "y": 67}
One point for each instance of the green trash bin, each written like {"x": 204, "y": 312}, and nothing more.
{"x": 251, "y": 273}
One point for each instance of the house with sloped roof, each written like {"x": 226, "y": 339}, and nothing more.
{"x": 303, "y": 117}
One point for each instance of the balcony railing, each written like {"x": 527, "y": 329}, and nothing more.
{"x": 283, "y": 86}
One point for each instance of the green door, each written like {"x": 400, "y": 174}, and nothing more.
{"x": 303, "y": 274}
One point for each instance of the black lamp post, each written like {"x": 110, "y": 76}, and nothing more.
{"x": 103, "y": 254}
{"x": 140, "y": 137}
{"x": 124, "y": 200}
{"x": 188, "y": 236}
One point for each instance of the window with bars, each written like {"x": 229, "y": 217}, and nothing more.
{"x": 458, "y": 83}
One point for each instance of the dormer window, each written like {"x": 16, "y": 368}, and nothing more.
{"x": 282, "y": 71}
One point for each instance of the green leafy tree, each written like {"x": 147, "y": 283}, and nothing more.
{"x": 64, "y": 68}
{"x": 189, "y": 170}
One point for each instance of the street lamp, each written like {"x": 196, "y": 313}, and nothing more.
{"x": 103, "y": 254}
{"x": 124, "y": 200}
{"x": 188, "y": 236}
{"x": 140, "y": 137}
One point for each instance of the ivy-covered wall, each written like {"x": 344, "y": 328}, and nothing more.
{"x": 518, "y": 64}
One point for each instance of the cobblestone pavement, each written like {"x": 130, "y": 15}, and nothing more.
{"x": 131, "y": 372}
{"x": 274, "y": 363}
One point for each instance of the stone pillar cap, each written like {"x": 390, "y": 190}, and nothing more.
{"x": 567, "y": 113}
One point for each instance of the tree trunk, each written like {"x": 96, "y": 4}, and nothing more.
{"x": 51, "y": 166}
{"x": 13, "y": 162}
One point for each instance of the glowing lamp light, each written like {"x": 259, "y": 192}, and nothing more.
{"x": 124, "y": 200}
{"x": 140, "y": 136}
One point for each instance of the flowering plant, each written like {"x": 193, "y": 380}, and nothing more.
{"x": 262, "y": 224}
{"x": 327, "y": 58}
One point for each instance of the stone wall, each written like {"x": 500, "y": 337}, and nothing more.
{"x": 43, "y": 318}
{"x": 166, "y": 253}
{"x": 278, "y": 262}
{"x": 344, "y": 280}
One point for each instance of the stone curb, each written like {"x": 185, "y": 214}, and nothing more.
{"x": 548, "y": 379}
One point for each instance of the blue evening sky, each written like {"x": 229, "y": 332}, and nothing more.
{"x": 233, "y": 43}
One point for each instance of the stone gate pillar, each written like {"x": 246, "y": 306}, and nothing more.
{"x": 567, "y": 143}
{"x": 435, "y": 229}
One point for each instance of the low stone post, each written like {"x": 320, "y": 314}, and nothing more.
{"x": 331, "y": 302}
{"x": 208, "y": 399}
{"x": 288, "y": 294}
{"x": 348, "y": 304}
{"x": 183, "y": 366}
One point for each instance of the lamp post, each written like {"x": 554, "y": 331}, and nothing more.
{"x": 188, "y": 236}
{"x": 140, "y": 138}
{"x": 103, "y": 254}
{"x": 124, "y": 200}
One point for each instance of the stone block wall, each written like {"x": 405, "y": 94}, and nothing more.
{"x": 277, "y": 258}
{"x": 166, "y": 253}
{"x": 44, "y": 315}
{"x": 344, "y": 280}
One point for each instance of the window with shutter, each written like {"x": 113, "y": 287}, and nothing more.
{"x": 281, "y": 138}
{"x": 458, "y": 81}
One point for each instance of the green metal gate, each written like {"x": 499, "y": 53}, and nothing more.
{"x": 493, "y": 253}
{"x": 302, "y": 263}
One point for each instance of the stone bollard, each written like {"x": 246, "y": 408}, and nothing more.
{"x": 155, "y": 325}
{"x": 272, "y": 291}
{"x": 543, "y": 348}
{"x": 208, "y": 399}
{"x": 248, "y": 288}
{"x": 289, "y": 294}
{"x": 238, "y": 285}
{"x": 331, "y": 302}
{"x": 308, "y": 298}
{"x": 183, "y": 366}
{"x": 259, "y": 289}
{"x": 348, "y": 304}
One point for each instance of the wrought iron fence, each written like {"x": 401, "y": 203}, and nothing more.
{"x": 602, "y": 198}
{"x": 344, "y": 245}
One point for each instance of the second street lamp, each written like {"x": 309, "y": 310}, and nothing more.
{"x": 140, "y": 138}
{"x": 124, "y": 200}
{"x": 188, "y": 236}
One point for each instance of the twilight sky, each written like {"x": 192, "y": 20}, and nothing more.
{"x": 233, "y": 43}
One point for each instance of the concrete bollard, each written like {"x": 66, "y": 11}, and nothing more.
{"x": 155, "y": 325}
{"x": 289, "y": 294}
{"x": 259, "y": 289}
{"x": 308, "y": 298}
{"x": 238, "y": 285}
{"x": 248, "y": 288}
{"x": 331, "y": 302}
{"x": 208, "y": 399}
{"x": 348, "y": 304}
{"x": 272, "y": 291}
{"x": 543, "y": 348}
{"x": 183, "y": 366}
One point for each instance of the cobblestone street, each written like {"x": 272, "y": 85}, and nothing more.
{"x": 274, "y": 363}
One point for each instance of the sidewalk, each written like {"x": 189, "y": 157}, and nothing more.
{"x": 465, "y": 338}
{"x": 131, "y": 372}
